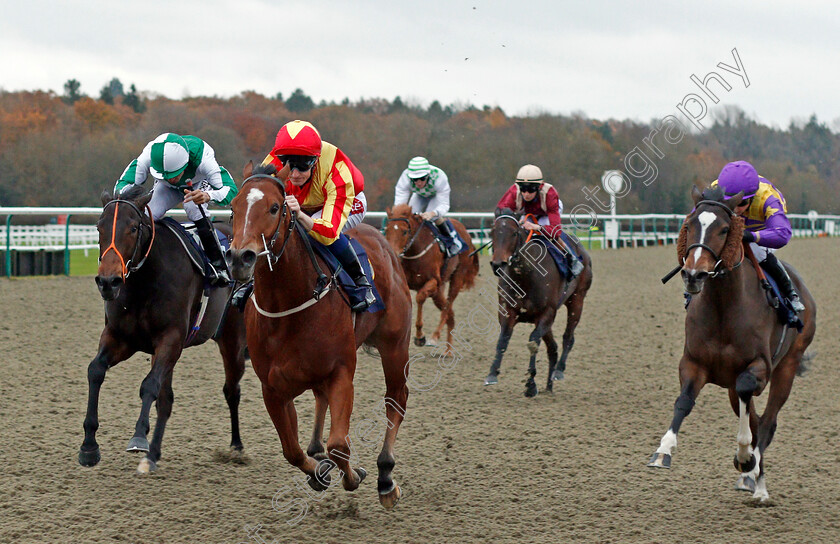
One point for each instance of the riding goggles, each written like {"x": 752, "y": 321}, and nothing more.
{"x": 420, "y": 179}
{"x": 301, "y": 163}
{"x": 529, "y": 187}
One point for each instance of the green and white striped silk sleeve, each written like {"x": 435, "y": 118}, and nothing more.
{"x": 227, "y": 192}
{"x": 136, "y": 172}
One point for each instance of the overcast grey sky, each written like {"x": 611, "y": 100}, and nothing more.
{"x": 604, "y": 58}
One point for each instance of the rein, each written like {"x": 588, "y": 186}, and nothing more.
{"x": 411, "y": 240}
{"x": 519, "y": 243}
{"x": 127, "y": 267}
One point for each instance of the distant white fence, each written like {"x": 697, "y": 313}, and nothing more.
{"x": 608, "y": 231}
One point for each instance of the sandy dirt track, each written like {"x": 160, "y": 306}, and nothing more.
{"x": 475, "y": 464}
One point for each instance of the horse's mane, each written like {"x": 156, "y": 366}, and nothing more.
{"x": 714, "y": 193}
{"x": 401, "y": 211}
{"x": 264, "y": 169}
{"x": 505, "y": 211}
{"x": 132, "y": 193}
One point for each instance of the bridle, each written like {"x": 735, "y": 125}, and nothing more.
{"x": 127, "y": 266}
{"x": 717, "y": 270}
{"x": 268, "y": 247}
{"x": 412, "y": 239}
{"x": 520, "y": 243}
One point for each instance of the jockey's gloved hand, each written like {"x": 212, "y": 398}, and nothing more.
{"x": 748, "y": 236}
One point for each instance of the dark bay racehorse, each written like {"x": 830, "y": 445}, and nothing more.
{"x": 152, "y": 296}
{"x": 531, "y": 289}
{"x": 299, "y": 341}
{"x": 427, "y": 269}
{"x": 733, "y": 338}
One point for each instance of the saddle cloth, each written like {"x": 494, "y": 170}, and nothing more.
{"x": 443, "y": 240}
{"x": 192, "y": 243}
{"x": 558, "y": 255}
{"x": 787, "y": 316}
{"x": 344, "y": 280}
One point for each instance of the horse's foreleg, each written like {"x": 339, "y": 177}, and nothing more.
{"x": 163, "y": 407}
{"x": 574, "y": 309}
{"x": 340, "y": 398}
{"x": 445, "y": 308}
{"x": 110, "y": 353}
{"x": 316, "y": 445}
{"x": 428, "y": 289}
{"x": 748, "y": 384}
{"x": 501, "y": 346}
{"x": 543, "y": 326}
{"x": 232, "y": 346}
{"x": 163, "y": 361}
{"x": 455, "y": 285}
{"x": 551, "y": 351}
{"x": 692, "y": 380}
{"x": 395, "y": 365}
{"x": 281, "y": 408}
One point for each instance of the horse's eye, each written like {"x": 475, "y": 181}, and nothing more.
{"x": 725, "y": 231}
{"x": 274, "y": 209}
{"x": 133, "y": 229}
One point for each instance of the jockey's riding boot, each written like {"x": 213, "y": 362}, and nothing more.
{"x": 454, "y": 246}
{"x": 775, "y": 268}
{"x": 240, "y": 296}
{"x": 346, "y": 255}
{"x": 575, "y": 265}
{"x": 214, "y": 252}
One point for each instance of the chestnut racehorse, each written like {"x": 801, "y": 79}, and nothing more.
{"x": 426, "y": 268}
{"x": 299, "y": 340}
{"x": 153, "y": 297}
{"x": 531, "y": 289}
{"x": 733, "y": 337}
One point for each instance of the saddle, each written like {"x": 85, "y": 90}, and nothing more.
{"x": 559, "y": 256}
{"x": 343, "y": 279}
{"x": 191, "y": 243}
{"x": 447, "y": 246}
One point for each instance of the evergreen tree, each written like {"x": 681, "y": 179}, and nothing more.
{"x": 71, "y": 91}
{"x": 299, "y": 102}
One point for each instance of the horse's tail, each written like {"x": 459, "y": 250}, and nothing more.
{"x": 805, "y": 362}
{"x": 470, "y": 270}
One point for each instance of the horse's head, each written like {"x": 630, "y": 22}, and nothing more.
{"x": 402, "y": 224}
{"x": 507, "y": 239}
{"x": 259, "y": 215}
{"x": 124, "y": 230}
{"x": 710, "y": 238}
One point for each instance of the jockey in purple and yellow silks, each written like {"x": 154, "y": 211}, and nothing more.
{"x": 767, "y": 227}
{"x": 325, "y": 189}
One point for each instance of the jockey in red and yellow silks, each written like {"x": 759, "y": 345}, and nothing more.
{"x": 326, "y": 191}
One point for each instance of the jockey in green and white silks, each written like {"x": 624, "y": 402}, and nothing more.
{"x": 425, "y": 188}
{"x": 185, "y": 171}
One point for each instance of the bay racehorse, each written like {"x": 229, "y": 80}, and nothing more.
{"x": 428, "y": 270}
{"x": 531, "y": 289}
{"x": 733, "y": 337}
{"x": 153, "y": 304}
{"x": 300, "y": 337}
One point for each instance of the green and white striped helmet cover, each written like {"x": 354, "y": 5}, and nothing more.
{"x": 169, "y": 156}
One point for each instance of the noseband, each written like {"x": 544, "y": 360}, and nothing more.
{"x": 268, "y": 247}
{"x": 127, "y": 267}
{"x": 411, "y": 239}
{"x": 519, "y": 242}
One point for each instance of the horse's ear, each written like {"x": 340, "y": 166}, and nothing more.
{"x": 105, "y": 197}
{"x": 498, "y": 212}
{"x": 388, "y": 211}
{"x": 143, "y": 200}
{"x": 248, "y": 170}
{"x": 696, "y": 195}
{"x": 732, "y": 202}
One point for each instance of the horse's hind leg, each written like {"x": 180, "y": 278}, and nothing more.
{"x": 543, "y": 326}
{"x": 110, "y": 353}
{"x": 396, "y": 367}
{"x": 232, "y": 347}
{"x": 455, "y": 284}
{"x": 551, "y": 350}
{"x": 692, "y": 380}
{"x": 574, "y": 309}
{"x": 163, "y": 407}
{"x": 316, "y": 445}
{"x": 445, "y": 308}
{"x": 428, "y": 289}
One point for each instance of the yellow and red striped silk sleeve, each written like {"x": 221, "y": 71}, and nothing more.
{"x": 338, "y": 194}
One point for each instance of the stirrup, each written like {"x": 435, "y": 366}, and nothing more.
{"x": 363, "y": 283}
{"x": 577, "y": 267}
{"x": 796, "y": 304}
{"x": 240, "y": 296}
{"x": 220, "y": 278}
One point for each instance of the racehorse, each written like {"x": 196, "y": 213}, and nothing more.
{"x": 428, "y": 270}
{"x": 300, "y": 337}
{"x": 531, "y": 289}
{"x": 733, "y": 337}
{"x": 153, "y": 304}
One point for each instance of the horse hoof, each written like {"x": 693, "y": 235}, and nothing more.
{"x": 531, "y": 390}
{"x": 491, "y": 379}
{"x": 420, "y": 341}
{"x": 432, "y": 343}
{"x": 660, "y": 460}
{"x": 146, "y": 466}
{"x": 138, "y": 443}
{"x": 557, "y": 375}
{"x": 322, "y": 481}
{"x": 89, "y": 458}
{"x": 745, "y": 467}
{"x": 549, "y": 387}
{"x": 389, "y": 499}
{"x": 319, "y": 456}
{"x": 745, "y": 483}
{"x": 361, "y": 473}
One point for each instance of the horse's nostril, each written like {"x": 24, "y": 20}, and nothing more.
{"x": 115, "y": 282}
{"x": 249, "y": 257}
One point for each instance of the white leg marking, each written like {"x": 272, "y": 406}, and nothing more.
{"x": 668, "y": 443}
{"x": 254, "y": 195}
{"x": 744, "y": 433}
{"x": 706, "y": 220}
{"x": 761, "y": 490}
